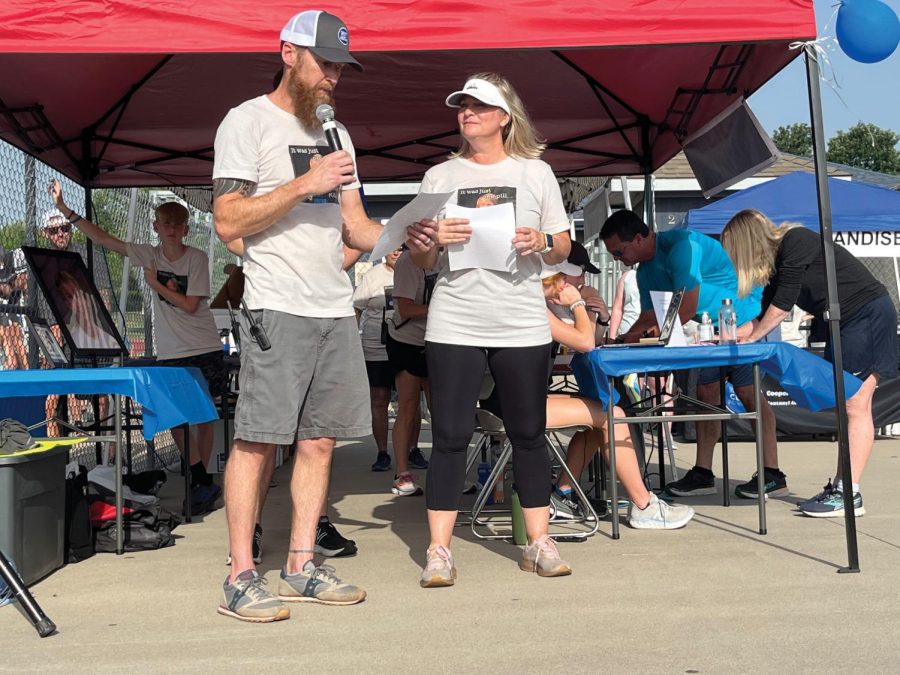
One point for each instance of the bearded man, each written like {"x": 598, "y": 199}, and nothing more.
{"x": 294, "y": 207}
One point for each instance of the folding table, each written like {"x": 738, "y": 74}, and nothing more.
{"x": 806, "y": 377}
{"x": 169, "y": 397}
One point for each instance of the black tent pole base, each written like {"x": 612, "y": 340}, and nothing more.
{"x": 39, "y": 620}
{"x": 848, "y": 570}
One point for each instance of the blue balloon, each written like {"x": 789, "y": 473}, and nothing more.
{"x": 867, "y": 30}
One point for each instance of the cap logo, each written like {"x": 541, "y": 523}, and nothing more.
{"x": 344, "y": 36}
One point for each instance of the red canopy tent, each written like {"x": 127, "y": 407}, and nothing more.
{"x": 131, "y": 92}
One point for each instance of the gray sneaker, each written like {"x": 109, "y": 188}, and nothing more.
{"x": 542, "y": 556}
{"x": 659, "y": 515}
{"x": 566, "y": 508}
{"x": 439, "y": 569}
{"x": 247, "y": 599}
{"x": 317, "y": 584}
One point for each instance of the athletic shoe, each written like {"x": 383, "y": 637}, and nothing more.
{"x": 203, "y": 498}
{"x": 439, "y": 569}
{"x": 830, "y": 504}
{"x": 257, "y": 546}
{"x": 317, "y": 584}
{"x": 382, "y": 463}
{"x": 659, "y": 515}
{"x": 827, "y": 490}
{"x": 404, "y": 485}
{"x": 331, "y": 544}
{"x": 417, "y": 460}
{"x": 776, "y": 485}
{"x": 563, "y": 507}
{"x": 542, "y": 556}
{"x": 695, "y": 482}
{"x": 246, "y": 599}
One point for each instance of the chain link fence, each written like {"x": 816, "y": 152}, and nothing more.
{"x": 29, "y": 218}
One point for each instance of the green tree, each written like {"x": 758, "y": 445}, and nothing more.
{"x": 866, "y": 146}
{"x": 795, "y": 139}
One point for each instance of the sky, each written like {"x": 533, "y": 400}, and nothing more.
{"x": 870, "y": 92}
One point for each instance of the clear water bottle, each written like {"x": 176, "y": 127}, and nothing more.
{"x": 706, "y": 328}
{"x": 727, "y": 323}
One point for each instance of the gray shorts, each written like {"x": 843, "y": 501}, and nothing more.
{"x": 310, "y": 384}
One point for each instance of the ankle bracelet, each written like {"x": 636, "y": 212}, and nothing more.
{"x": 300, "y": 550}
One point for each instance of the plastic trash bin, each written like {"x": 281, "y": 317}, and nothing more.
{"x": 32, "y": 509}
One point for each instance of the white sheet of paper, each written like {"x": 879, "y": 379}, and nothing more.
{"x": 425, "y": 206}
{"x": 661, "y": 300}
{"x": 490, "y": 247}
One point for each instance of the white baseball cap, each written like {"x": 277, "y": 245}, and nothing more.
{"x": 483, "y": 90}
{"x": 564, "y": 267}
{"x": 324, "y": 34}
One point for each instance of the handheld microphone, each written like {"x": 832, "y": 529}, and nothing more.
{"x": 325, "y": 114}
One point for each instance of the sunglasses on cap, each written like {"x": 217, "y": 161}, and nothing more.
{"x": 65, "y": 229}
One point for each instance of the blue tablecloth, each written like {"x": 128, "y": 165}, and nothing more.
{"x": 806, "y": 377}
{"x": 168, "y": 396}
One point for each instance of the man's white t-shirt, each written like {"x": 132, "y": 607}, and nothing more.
{"x": 294, "y": 265}
{"x": 409, "y": 283}
{"x": 482, "y": 307}
{"x": 368, "y": 299}
{"x": 179, "y": 334}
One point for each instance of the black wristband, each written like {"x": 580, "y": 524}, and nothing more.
{"x": 601, "y": 321}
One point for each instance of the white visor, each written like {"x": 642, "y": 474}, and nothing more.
{"x": 483, "y": 90}
{"x": 564, "y": 267}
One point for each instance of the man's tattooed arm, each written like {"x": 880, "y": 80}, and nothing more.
{"x": 224, "y": 186}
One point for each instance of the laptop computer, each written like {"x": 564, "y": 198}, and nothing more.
{"x": 665, "y": 332}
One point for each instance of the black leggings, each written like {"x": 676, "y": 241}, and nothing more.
{"x": 520, "y": 376}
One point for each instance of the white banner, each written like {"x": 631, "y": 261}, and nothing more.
{"x": 876, "y": 244}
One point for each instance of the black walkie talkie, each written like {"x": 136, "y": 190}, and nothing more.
{"x": 257, "y": 332}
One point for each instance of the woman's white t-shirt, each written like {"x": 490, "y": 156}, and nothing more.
{"x": 485, "y": 308}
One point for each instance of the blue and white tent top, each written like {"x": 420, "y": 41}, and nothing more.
{"x": 855, "y": 207}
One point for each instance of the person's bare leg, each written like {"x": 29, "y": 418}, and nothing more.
{"x": 571, "y": 411}
{"x": 707, "y": 432}
{"x": 440, "y": 527}
{"x": 380, "y": 398}
{"x": 309, "y": 487}
{"x": 770, "y": 438}
{"x": 860, "y": 428}
{"x": 537, "y": 521}
{"x": 575, "y": 460}
{"x": 268, "y": 472}
{"x": 243, "y": 473}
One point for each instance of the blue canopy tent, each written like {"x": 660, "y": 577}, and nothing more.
{"x": 855, "y": 207}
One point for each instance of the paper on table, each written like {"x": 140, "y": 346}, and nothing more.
{"x": 490, "y": 247}
{"x": 661, "y": 300}
{"x": 425, "y": 206}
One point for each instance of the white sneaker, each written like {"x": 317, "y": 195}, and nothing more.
{"x": 404, "y": 485}
{"x": 659, "y": 515}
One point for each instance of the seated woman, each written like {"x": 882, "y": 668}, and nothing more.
{"x": 645, "y": 510}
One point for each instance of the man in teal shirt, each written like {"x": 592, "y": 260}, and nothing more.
{"x": 698, "y": 263}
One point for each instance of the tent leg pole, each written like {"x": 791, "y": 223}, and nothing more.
{"x": 833, "y": 314}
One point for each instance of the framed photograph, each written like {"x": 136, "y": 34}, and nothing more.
{"x": 86, "y": 325}
{"x": 50, "y": 348}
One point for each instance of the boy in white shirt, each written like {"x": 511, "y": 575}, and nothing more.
{"x": 186, "y": 334}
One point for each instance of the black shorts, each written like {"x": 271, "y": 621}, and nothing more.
{"x": 739, "y": 376}
{"x": 410, "y": 358}
{"x": 869, "y": 340}
{"x": 381, "y": 374}
{"x": 211, "y": 364}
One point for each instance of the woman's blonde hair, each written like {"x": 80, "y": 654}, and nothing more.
{"x": 751, "y": 241}
{"x": 520, "y": 138}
